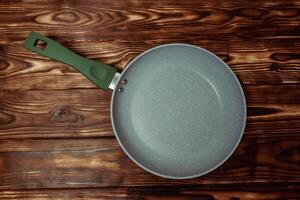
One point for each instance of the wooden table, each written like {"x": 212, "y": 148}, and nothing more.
{"x": 56, "y": 140}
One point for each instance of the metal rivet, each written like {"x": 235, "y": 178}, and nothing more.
{"x": 120, "y": 89}
{"x": 124, "y": 82}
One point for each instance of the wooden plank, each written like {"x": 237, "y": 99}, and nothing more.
{"x": 83, "y": 113}
{"x": 75, "y": 163}
{"x": 54, "y": 114}
{"x": 144, "y": 4}
{"x": 260, "y": 43}
{"x": 150, "y": 19}
{"x": 72, "y": 163}
{"x": 153, "y": 193}
{"x": 268, "y": 62}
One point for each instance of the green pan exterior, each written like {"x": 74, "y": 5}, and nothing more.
{"x": 98, "y": 73}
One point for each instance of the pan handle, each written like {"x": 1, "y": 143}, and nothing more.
{"x": 98, "y": 73}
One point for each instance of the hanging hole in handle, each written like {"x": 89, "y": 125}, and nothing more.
{"x": 40, "y": 44}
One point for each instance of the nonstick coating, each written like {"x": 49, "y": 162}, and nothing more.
{"x": 181, "y": 112}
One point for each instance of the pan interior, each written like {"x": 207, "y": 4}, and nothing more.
{"x": 181, "y": 112}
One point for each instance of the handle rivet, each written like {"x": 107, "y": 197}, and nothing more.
{"x": 124, "y": 82}
{"x": 120, "y": 89}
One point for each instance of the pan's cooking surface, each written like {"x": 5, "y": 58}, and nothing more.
{"x": 181, "y": 113}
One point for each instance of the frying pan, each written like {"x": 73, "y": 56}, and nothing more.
{"x": 177, "y": 110}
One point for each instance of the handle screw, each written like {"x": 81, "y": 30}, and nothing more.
{"x": 120, "y": 89}
{"x": 124, "y": 82}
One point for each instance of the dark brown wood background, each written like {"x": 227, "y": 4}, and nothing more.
{"x": 56, "y": 140}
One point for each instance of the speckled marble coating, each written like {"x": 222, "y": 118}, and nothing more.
{"x": 181, "y": 113}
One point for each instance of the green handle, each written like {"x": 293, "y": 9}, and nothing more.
{"x": 99, "y": 73}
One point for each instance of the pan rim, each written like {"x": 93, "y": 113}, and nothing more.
{"x": 196, "y": 174}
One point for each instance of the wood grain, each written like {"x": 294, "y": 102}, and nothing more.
{"x": 150, "y": 193}
{"x": 56, "y": 140}
{"x": 260, "y": 44}
{"x": 81, "y": 113}
{"x": 100, "y": 162}
{"x": 54, "y": 114}
{"x": 147, "y": 19}
{"x": 271, "y": 64}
